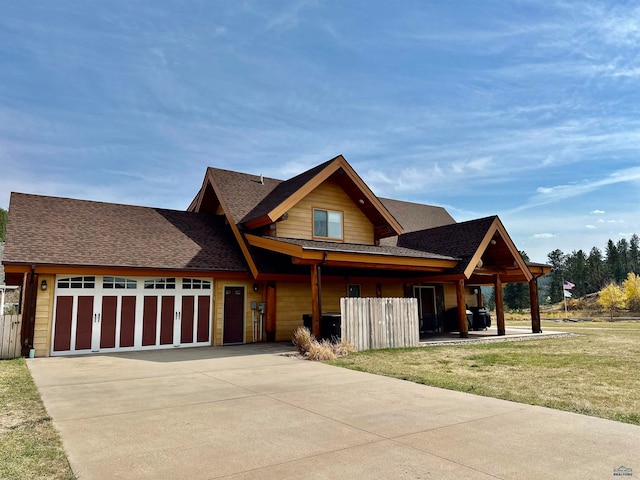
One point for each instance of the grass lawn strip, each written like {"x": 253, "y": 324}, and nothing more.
{"x": 594, "y": 373}
{"x": 30, "y": 447}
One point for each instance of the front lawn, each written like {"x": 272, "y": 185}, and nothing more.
{"x": 595, "y": 373}
{"x": 30, "y": 447}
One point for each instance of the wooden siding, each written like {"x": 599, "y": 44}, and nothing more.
{"x": 218, "y": 307}
{"x": 294, "y": 300}
{"x": 329, "y": 195}
{"x": 44, "y": 317}
{"x": 450, "y": 300}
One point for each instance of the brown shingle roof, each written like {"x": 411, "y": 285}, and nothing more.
{"x": 459, "y": 240}
{"x": 283, "y": 191}
{"x": 63, "y": 231}
{"x": 247, "y": 199}
{"x": 369, "y": 249}
{"x": 241, "y": 191}
{"x": 414, "y": 217}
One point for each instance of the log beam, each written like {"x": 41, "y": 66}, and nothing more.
{"x": 316, "y": 300}
{"x": 270, "y": 314}
{"x": 497, "y": 285}
{"x": 462, "y": 310}
{"x": 535, "y": 305}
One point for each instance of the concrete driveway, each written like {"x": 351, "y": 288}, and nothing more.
{"x": 248, "y": 412}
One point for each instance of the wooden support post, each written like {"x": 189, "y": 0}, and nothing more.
{"x": 316, "y": 300}
{"x": 535, "y": 305}
{"x": 462, "y": 310}
{"x": 270, "y": 314}
{"x": 29, "y": 312}
{"x": 479, "y": 299}
{"x": 497, "y": 285}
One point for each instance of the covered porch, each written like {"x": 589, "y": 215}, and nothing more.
{"x": 455, "y": 275}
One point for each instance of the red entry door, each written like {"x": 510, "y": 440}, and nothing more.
{"x": 233, "y": 315}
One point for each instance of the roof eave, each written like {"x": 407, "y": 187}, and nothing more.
{"x": 336, "y": 164}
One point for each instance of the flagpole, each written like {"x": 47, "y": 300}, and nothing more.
{"x": 564, "y": 295}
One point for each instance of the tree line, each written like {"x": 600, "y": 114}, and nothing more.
{"x": 591, "y": 272}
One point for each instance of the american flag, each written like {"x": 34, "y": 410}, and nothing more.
{"x": 567, "y": 285}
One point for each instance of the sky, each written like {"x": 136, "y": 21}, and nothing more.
{"x": 529, "y": 110}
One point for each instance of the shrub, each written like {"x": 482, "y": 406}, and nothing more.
{"x": 302, "y": 339}
{"x": 321, "y": 351}
{"x": 343, "y": 348}
{"x": 311, "y": 349}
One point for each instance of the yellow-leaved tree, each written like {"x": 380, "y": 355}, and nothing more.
{"x": 631, "y": 287}
{"x": 612, "y": 297}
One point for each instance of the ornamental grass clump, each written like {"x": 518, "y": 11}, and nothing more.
{"x": 312, "y": 349}
{"x": 302, "y": 340}
{"x": 321, "y": 351}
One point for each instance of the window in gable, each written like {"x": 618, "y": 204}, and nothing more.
{"x": 327, "y": 224}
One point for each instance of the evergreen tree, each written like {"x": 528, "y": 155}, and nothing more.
{"x": 557, "y": 262}
{"x": 634, "y": 254}
{"x": 612, "y": 262}
{"x": 3, "y": 224}
{"x": 576, "y": 272}
{"x": 623, "y": 259}
{"x": 596, "y": 276}
{"x": 516, "y": 295}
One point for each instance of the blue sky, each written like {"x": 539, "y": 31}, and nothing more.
{"x": 528, "y": 110}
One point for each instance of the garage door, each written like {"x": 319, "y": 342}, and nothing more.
{"x": 112, "y": 314}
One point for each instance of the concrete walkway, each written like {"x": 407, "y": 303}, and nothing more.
{"x": 249, "y": 413}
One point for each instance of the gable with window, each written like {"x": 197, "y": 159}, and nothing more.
{"x": 327, "y": 224}
{"x": 327, "y": 213}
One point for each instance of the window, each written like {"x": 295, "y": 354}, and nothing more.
{"x": 77, "y": 282}
{"x": 160, "y": 284}
{"x": 195, "y": 284}
{"x": 327, "y": 224}
{"x": 119, "y": 283}
{"x": 353, "y": 290}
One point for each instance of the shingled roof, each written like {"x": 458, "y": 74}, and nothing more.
{"x": 460, "y": 240}
{"x": 241, "y": 191}
{"x": 283, "y": 191}
{"x": 415, "y": 217}
{"x": 369, "y": 249}
{"x": 61, "y": 231}
{"x": 247, "y": 198}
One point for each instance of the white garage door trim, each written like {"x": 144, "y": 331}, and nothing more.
{"x": 99, "y": 313}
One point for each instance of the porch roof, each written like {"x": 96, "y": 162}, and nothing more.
{"x": 355, "y": 255}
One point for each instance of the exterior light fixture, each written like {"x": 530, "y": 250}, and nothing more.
{"x": 255, "y": 287}
{"x": 43, "y": 285}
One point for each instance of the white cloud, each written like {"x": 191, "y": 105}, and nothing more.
{"x": 543, "y": 235}
{"x": 597, "y": 212}
{"x": 546, "y": 195}
{"x": 590, "y": 226}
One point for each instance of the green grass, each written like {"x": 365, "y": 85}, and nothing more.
{"x": 594, "y": 373}
{"x": 30, "y": 447}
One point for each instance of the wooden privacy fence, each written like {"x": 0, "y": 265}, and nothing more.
{"x": 10, "y": 336}
{"x": 372, "y": 323}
